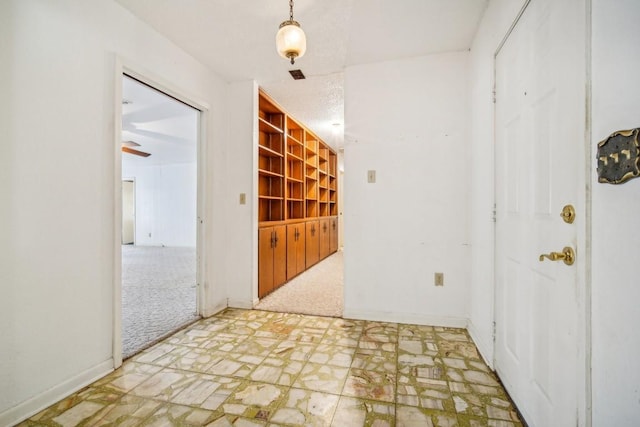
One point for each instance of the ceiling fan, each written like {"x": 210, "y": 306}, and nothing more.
{"x": 127, "y": 148}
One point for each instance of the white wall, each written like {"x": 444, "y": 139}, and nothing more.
{"x": 407, "y": 120}
{"x": 497, "y": 19}
{"x": 241, "y": 238}
{"x": 57, "y": 180}
{"x": 165, "y": 204}
{"x": 616, "y": 213}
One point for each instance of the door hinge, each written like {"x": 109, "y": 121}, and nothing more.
{"x": 493, "y": 213}
{"x": 493, "y": 332}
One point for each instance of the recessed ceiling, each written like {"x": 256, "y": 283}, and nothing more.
{"x": 236, "y": 39}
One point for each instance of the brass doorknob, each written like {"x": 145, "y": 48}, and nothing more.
{"x": 568, "y": 256}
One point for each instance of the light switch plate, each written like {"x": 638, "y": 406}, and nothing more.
{"x": 243, "y": 198}
{"x": 439, "y": 279}
{"x": 371, "y": 176}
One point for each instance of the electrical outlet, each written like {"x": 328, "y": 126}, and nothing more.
{"x": 371, "y": 176}
{"x": 243, "y": 198}
{"x": 439, "y": 279}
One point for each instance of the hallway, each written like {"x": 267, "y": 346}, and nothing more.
{"x": 256, "y": 368}
{"x": 317, "y": 291}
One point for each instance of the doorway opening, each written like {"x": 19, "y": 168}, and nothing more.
{"x": 159, "y": 215}
{"x": 319, "y": 289}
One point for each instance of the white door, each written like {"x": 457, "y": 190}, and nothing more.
{"x": 540, "y": 134}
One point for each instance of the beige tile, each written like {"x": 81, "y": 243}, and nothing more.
{"x": 256, "y": 401}
{"x": 305, "y": 407}
{"x": 354, "y": 412}
{"x": 179, "y": 415}
{"x": 277, "y": 370}
{"x": 332, "y": 355}
{"x": 293, "y": 350}
{"x": 247, "y": 368}
{"x": 235, "y": 421}
{"x": 325, "y": 378}
{"x": 375, "y": 360}
{"x": 370, "y": 385}
{"x": 128, "y": 376}
{"x": 82, "y": 406}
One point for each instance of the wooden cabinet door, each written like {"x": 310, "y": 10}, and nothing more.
{"x": 292, "y": 250}
{"x": 265, "y": 261}
{"x": 312, "y": 243}
{"x": 279, "y": 256}
{"x": 333, "y": 243}
{"x": 295, "y": 249}
{"x": 301, "y": 248}
{"x": 325, "y": 239}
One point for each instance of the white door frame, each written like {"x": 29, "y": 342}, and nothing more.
{"x": 583, "y": 249}
{"x": 133, "y": 180}
{"x": 122, "y": 67}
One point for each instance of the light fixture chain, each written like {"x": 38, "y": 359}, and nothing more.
{"x": 291, "y": 10}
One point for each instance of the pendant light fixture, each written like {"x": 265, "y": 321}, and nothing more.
{"x": 290, "y": 40}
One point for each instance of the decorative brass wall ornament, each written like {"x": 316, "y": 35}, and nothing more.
{"x": 619, "y": 157}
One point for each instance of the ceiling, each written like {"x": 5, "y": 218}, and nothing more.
{"x": 236, "y": 39}
{"x": 164, "y": 127}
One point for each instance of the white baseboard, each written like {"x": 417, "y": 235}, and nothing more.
{"x": 409, "y": 318}
{"x": 238, "y": 303}
{"x": 30, "y": 407}
{"x": 210, "y": 311}
{"x": 485, "y": 348}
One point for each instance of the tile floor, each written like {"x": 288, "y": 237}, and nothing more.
{"x": 256, "y": 368}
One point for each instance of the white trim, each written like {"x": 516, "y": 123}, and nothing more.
{"x": 117, "y": 215}
{"x": 511, "y": 28}
{"x": 211, "y": 311}
{"x": 133, "y": 180}
{"x": 407, "y": 318}
{"x": 208, "y": 312}
{"x": 584, "y": 324}
{"x": 30, "y": 407}
{"x": 214, "y": 310}
{"x": 124, "y": 66}
{"x": 485, "y": 349}
{"x": 241, "y": 303}
{"x": 255, "y": 206}
{"x": 201, "y": 209}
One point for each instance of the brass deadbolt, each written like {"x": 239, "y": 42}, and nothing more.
{"x": 568, "y": 214}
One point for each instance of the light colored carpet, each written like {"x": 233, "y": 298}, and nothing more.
{"x": 317, "y": 291}
{"x": 158, "y": 293}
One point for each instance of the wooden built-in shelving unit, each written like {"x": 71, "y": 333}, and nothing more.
{"x": 297, "y": 197}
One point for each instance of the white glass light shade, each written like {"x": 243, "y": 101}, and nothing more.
{"x": 291, "y": 41}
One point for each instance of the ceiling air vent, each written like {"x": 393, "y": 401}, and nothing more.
{"x": 297, "y": 74}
